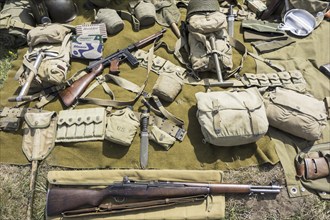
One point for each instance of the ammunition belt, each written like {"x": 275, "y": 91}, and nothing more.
{"x": 288, "y": 79}
{"x": 159, "y": 64}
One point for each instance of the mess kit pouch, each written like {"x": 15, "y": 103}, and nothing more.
{"x": 230, "y": 118}
{"x": 81, "y": 125}
{"x": 121, "y": 127}
{"x": 39, "y": 132}
{"x": 295, "y": 113}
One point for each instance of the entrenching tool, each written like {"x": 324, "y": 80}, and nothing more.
{"x": 221, "y": 83}
{"x": 22, "y": 96}
{"x": 36, "y": 152}
{"x": 168, "y": 15}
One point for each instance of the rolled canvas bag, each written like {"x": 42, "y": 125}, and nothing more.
{"x": 295, "y": 113}
{"x": 230, "y": 118}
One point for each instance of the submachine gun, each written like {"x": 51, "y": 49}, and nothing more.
{"x": 152, "y": 194}
{"x": 74, "y": 91}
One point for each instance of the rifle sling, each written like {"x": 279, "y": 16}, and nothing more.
{"x": 110, "y": 208}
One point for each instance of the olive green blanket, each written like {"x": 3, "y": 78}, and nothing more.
{"x": 189, "y": 154}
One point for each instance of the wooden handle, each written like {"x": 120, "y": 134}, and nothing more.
{"x": 71, "y": 94}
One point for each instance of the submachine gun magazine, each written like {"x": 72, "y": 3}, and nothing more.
{"x": 67, "y": 201}
{"x": 71, "y": 94}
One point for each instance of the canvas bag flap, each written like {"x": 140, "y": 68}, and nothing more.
{"x": 207, "y": 23}
{"x": 300, "y": 102}
{"x": 38, "y": 120}
{"x": 229, "y": 100}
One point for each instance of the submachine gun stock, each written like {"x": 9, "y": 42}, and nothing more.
{"x": 75, "y": 90}
{"x": 66, "y": 201}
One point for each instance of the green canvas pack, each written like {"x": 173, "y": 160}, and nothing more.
{"x": 200, "y": 27}
{"x": 53, "y": 43}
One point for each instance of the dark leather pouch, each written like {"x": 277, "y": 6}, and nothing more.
{"x": 316, "y": 168}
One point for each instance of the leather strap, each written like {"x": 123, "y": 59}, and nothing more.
{"x": 111, "y": 208}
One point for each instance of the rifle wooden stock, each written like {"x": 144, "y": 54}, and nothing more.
{"x": 74, "y": 91}
{"x": 60, "y": 200}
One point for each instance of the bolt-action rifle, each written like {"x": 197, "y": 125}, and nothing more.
{"x": 75, "y": 90}
{"x": 70, "y": 201}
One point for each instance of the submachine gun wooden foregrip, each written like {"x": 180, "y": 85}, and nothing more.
{"x": 60, "y": 200}
{"x": 72, "y": 93}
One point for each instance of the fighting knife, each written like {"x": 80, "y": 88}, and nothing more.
{"x": 144, "y": 142}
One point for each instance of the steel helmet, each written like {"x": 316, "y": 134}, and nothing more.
{"x": 61, "y": 11}
{"x": 202, "y": 6}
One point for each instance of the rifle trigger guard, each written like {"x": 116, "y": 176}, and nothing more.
{"x": 119, "y": 199}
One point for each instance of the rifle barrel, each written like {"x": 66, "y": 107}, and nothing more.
{"x": 60, "y": 200}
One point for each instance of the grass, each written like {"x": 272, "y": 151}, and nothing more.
{"x": 14, "y": 188}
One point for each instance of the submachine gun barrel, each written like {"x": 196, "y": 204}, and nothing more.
{"x": 62, "y": 200}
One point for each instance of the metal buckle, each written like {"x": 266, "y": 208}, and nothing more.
{"x": 180, "y": 134}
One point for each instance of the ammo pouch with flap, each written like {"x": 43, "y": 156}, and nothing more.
{"x": 301, "y": 115}
{"x": 81, "y": 125}
{"x": 230, "y": 118}
{"x": 11, "y": 117}
{"x": 39, "y": 132}
{"x": 121, "y": 127}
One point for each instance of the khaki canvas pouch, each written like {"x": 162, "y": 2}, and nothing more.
{"x": 39, "y": 132}
{"x": 230, "y": 118}
{"x": 213, "y": 208}
{"x": 167, "y": 86}
{"x": 301, "y": 115}
{"x": 161, "y": 137}
{"x": 81, "y": 125}
{"x": 121, "y": 127}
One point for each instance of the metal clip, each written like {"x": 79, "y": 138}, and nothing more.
{"x": 180, "y": 134}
